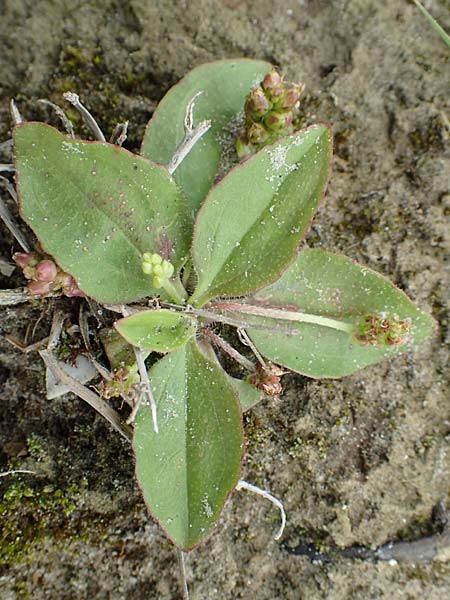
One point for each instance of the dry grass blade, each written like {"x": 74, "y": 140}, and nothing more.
{"x": 87, "y": 395}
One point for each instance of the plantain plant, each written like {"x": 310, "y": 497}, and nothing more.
{"x": 183, "y": 238}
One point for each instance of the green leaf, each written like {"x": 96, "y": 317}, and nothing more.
{"x": 249, "y": 396}
{"x": 118, "y": 351}
{"x": 332, "y": 286}
{"x": 157, "y": 330}
{"x": 187, "y": 470}
{"x": 250, "y": 224}
{"x": 97, "y": 208}
{"x": 225, "y": 84}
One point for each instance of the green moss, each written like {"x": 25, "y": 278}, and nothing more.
{"x": 311, "y": 442}
{"x": 255, "y": 434}
{"x": 30, "y": 512}
{"x": 21, "y": 589}
{"x": 35, "y": 448}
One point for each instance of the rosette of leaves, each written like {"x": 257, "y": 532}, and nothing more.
{"x": 97, "y": 210}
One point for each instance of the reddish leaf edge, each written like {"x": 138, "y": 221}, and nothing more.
{"x": 227, "y": 497}
{"x": 395, "y": 351}
{"x": 94, "y": 142}
{"x": 329, "y": 127}
{"x": 176, "y": 85}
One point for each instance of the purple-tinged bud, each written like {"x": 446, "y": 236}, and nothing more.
{"x": 39, "y": 288}
{"x": 71, "y": 289}
{"x": 257, "y": 104}
{"x": 272, "y": 84}
{"x": 278, "y": 121}
{"x": 291, "y": 96}
{"x": 46, "y": 270}
{"x": 23, "y": 259}
{"x": 257, "y": 133}
{"x": 61, "y": 280}
{"x": 267, "y": 380}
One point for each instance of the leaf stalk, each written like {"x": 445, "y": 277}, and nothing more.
{"x": 283, "y": 315}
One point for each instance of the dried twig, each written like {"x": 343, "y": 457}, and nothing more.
{"x": 119, "y": 135}
{"x": 13, "y": 297}
{"x": 84, "y": 328}
{"x": 243, "y": 337}
{"x": 9, "y": 188}
{"x": 427, "y": 549}
{"x": 13, "y": 472}
{"x": 74, "y": 99}
{"x": 55, "y": 332}
{"x": 87, "y": 395}
{"x": 191, "y": 136}
{"x": 24, "y": 347}
{"x": 61, "y": 114}
{"x": 8, "y": 220}
{"x": 16, "y": 117}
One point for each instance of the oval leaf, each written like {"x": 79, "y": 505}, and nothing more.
{"x": 224, "y": 85}
{"x": 157, "y": 330}
{"x": 328, "y": 285}
{"x": 187, "y": 470}
{"x": 249, "y": 226}
{"x": 96, "y": 208}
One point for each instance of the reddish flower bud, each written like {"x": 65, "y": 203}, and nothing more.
{"x": 257, "y": 103}
{"x": 273, "y": 84}
{"x": 46, "y": 270}
{"x": 23, "y": 259}
{"x": 71, "y": 289}
{"x": 39, "y": 288}
{"x": 290, "y": 96}
{"x": 267, "y": 379}
{"x": 257, "y": 133}
{"x": 278, "y": 121}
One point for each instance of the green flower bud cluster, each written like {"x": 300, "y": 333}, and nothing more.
{"x": 161, "y": 269}
{"x": 269, "y": 112}
{"x": 381, "y": 330}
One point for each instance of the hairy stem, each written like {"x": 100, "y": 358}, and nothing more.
{"x": 175, "y": 289}
{"x": 226, "y": 347}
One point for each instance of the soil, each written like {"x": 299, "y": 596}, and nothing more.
{"x": 361, "y": 460}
